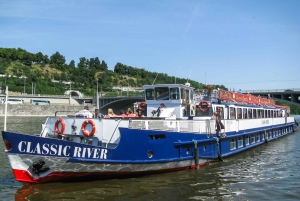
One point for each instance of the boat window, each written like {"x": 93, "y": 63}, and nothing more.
{"x": 233, "y": 144}
{"x": 239, "y": 113}
{"x": 161, "y": 93}
{"x": 247, "y": 140}
{"x": 157, "y": 137}
{"x": 271, "y": 113}
{"x": 191, "y": 94}
{"x": 232, "y": 113}
{"x": 260, "y": 114}
{"x": 185, "y": 95}
{"x": 249, "y": 113}
{"x": 206, "y": 112}
{"x": 266, "y": 114}
{"x": 254, "y": 113}
{"x": 149, "y": 94}
{"x": 240, "y": 142}
{"x": 252, "y": 138}
{"x": 174, "y": 93}
{"x": 245, "y": 116}
{"x": 221, "y": 112}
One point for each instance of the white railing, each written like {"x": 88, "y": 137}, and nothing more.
{"x": 202, "y": 127}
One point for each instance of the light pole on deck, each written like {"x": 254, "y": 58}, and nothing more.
{"x": 97, "y": 94}
{"x": 175, "y": 73}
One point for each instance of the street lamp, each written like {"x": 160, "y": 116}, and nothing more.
{"x": 175, "y": 73}
{"x": 205, "y": 77}
{"x": 24, "y": 84}
{"x": 97, "y": 94}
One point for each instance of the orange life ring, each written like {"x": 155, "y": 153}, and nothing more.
{"x": 141, "y": 104}
{"x": 86, "y": 132}
{"x": 63, "y": 126}
{"x": 202, "y": 103}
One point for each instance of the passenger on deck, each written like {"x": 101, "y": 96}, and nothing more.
{"x": 84, "y": 113}
{"x": 160, "y": 109}
{"x": 131, "y": 114}
{"x": 154, "y": 114}
{"x": 98, "y": 114}
{"x": 140, "y": 113}
{"x": 110, "y": 113}
{"x": 218, "y": 122}
{"x": 185, "y": 111}
{"x": 122, "y": 114}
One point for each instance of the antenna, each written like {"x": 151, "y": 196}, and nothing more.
{"x": 189, "y": 77}
{"x": 155, "y": 79}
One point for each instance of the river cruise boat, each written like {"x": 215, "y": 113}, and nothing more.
{"x": 192, "y": 130}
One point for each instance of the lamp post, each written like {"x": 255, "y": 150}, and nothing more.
{"x": 175, "y": 73}
{"x": 70, "y": 93}
{"x": 204, "y": 77}
{"x": 24, "y": 84}
{"x": 127, "y": 85}
{"x": 97, "y": 94}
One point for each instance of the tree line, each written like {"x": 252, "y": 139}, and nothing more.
{"x": 41, "y": 69}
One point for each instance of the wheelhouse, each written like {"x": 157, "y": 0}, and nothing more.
{"x": 174, "y": 96}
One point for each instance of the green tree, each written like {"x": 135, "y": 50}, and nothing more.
{"x": 27, "y": 58}
{"x": 57, "y": 61}
{"x": 38, "y": 58}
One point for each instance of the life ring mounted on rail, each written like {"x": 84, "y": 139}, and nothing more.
{"x": 63, "y": 126}
{"x": 142, "y": 104}
{"x": 86, "y": 132}
{"x": 204, "y": 105}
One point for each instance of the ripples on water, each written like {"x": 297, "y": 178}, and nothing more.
{"x": 268, "y": 172}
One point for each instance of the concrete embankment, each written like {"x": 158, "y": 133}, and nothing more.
{"x": 40, "y": 110}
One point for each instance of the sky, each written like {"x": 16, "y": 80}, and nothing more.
{"x": 248, "y": 45}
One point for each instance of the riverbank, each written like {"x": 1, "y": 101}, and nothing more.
{"x": 40, "y": 110}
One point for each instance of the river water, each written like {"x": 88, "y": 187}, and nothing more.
{"x": 267, "y": 172}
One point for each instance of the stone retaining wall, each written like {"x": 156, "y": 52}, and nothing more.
{"x": 39, "y": 110}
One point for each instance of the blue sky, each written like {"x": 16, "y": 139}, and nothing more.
{"x": 248, "y": 45}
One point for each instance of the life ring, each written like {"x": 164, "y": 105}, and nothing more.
{"x": 141, "y": 104}
{"x": 63, "y": 126}
{"x": 86, "y": 132}
{"x": 204, "y": 103}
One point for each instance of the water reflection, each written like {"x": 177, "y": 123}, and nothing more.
{"x": 268, "y": 172}
{"x": 24, "y": 124}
